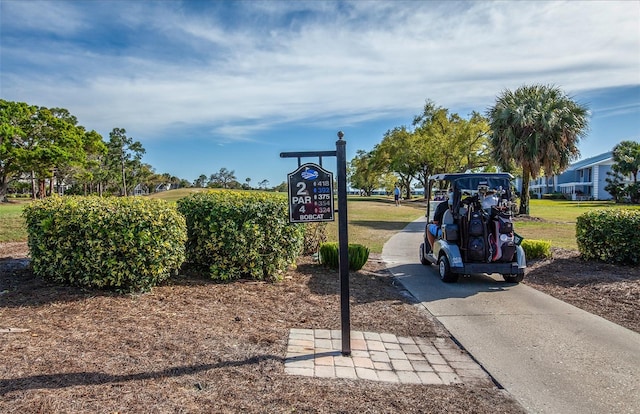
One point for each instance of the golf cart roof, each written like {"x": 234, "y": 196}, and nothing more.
{"x": 456, "y": 176}
{"x": 473, "y": 181}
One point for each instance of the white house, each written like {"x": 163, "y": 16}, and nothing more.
{"x": 583, "y": 180}
{"x": 586, "y": 179}
{"x": 140, "y": 190}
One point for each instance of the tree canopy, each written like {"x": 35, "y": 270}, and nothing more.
{"x": 364, "y": 175}
{"x": 436, "y": 142}
{"x": 124, "y": 158}
{"x": 537, "y": 127}
{"x": 47, "y": 144}
{"x": 626, "y": 155}
{"x": 223, "y": 179}
{"x": 42, "y": 145}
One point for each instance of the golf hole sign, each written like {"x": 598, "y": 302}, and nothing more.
{"x": 310, "y": 194}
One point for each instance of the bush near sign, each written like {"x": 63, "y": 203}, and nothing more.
{"x": 310, "y": 194}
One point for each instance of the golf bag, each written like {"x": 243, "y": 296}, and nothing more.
{"x": 477, "y": 230}
{"x": 501, "y": 238}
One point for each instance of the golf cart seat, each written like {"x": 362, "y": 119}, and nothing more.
{"x": 449, "y": 228}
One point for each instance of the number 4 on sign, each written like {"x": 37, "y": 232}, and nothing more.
{"x": 302, "y": 209}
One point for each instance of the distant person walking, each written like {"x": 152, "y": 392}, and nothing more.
{"x": 396, "y": 195}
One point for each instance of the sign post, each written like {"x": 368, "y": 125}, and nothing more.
{"x": 309, "y": 186}
{"x": 343, "y": 234}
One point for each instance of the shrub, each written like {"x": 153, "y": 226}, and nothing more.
{"x": 633, "y": 191}
{"x": 315, "y": 233}
{"x": 536, "y": 249}
{"x": 609, "y": 235}
{"x": 125, "y": 244}
{"x": 235, "y": 234}
{"x": 329, "y": 254}
{"x": 554, "y": 196}
{"x": 358, "y": 255}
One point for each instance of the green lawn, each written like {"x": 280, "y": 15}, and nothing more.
{"x": 373, "y": 220}
{"x": 559, "y": 225}
{"x": 560, "y": 235}
{"x": 175, "y": 195}
{"x": 567, "y": 211}
{"x": 12, "y": 226}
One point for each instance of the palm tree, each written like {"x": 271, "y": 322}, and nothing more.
{"x": 537, "y": 127}
{"x": 626, "y": 155}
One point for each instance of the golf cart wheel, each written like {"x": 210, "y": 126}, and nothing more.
{"x": 513, "y": 278}
{"x": 444, "y": 269}
{"x": 423, "y": 258}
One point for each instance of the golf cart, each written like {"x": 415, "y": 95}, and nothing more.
{"x": 476, "y": 231}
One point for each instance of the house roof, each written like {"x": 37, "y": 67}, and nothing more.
{"x": 455, "y": 176}
{"x": 588, "y": 162}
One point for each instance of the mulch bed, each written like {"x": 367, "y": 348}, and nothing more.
{"x": 194, "y": 346}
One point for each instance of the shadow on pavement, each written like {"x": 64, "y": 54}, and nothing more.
{"x": 424, "y": 283}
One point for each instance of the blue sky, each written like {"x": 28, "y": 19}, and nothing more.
{"x": 212, "y": 84}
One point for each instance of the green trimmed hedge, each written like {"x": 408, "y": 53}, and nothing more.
{"x": 357, "y": 253}
{"x": 536, "y": 249}
{"x": 234, "y": 234}
{"x": 609, "y": 235}
{"x": 554, "y": 196}
{"x": 125, "y": 244}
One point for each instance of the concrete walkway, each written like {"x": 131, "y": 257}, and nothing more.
{"x": 551, "y": 356}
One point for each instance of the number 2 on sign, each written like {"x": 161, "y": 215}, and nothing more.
{"x": 302, "y": 189}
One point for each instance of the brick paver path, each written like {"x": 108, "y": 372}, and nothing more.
{"x": 381, "y": 357}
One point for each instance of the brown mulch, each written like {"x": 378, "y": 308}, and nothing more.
{"x": 194, "y": 346}
{"x": 197, "y": 346}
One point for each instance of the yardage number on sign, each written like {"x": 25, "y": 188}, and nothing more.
{"x": 310, "y": 194}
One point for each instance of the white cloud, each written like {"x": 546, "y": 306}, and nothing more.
{"x": 619, "y": 110}
{"x": 41, "y": 16}
{"x": 357, "y": 60}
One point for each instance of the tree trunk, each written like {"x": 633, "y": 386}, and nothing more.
{"x": 524, "y": 196}
{"x": 124, "y": 180}
{"x": 33, "y": 185}
{"x": 407, "y": 184}
{"x": 4, "y": 187}
{"x": 42, "y": 189}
